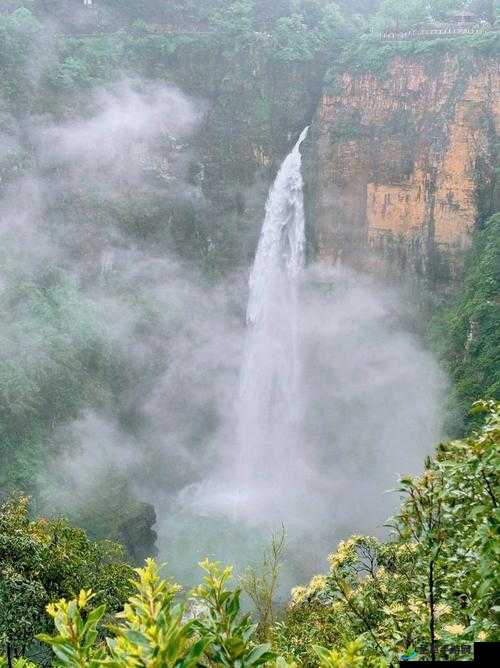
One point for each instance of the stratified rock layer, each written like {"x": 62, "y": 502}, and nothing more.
{"x": 402, "y": 164}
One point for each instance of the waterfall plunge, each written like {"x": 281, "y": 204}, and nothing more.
{"x": 252, "y": 478}
{"x": 334, "y": 401}
{"x": 280, "y": 253}
{"x": 268, "y": 410}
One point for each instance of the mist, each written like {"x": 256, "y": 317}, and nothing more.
{"x": 370, "y": 395}
{"x": 371, "y": 412}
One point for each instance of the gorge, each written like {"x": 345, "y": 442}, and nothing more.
{"x": 249, "y": 282}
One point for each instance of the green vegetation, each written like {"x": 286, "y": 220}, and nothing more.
{"x": 371, "y": 55}
{"x": 63, "y": 364}
{"x": 433, "y": 584}
{"x": 466, "y": 334}
{"x": 394, "y": 15}
{"x": 436, "y": 580}
{"x": 42, "y": 560}
{"x": 367, "y": 53}
{"x": 153, "y": 630}
{"x": 258, "y": 67}
{"x": 72, "y": 324}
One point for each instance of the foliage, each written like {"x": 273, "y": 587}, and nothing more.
{"x": 17, "y": 662}
{"x": 352, "y": 656}
{"x": 52, "y": 360}
{"x": 469, "y": 470}
{"x": 81, "y": 63}
{"x": 394, "y": 14}
{"x": 41, "y": 560}
{"x": 228, "y": 633}
{"x": 369, "y": 54}
{"x": 153, "y": 630}
{"x": 436, "y": 581}
{"x": 19, "y": 39}
{"x": 466, "y": 334}
{"x": 260, "y": 583}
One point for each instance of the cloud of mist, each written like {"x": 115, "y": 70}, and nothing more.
{"x": 142, "y": 293}
{"x": 135, "y": 128}
{"x": 126, "y": 115}
{"x": 78, "y": 468}
{"x": 370, "y": 411}
{"x": 371, "y": 394}
{"x": 374, "y": 395}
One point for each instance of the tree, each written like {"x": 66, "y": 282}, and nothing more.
{"x": 20, "y": 40}
{"x": 466, "y": 333}
{"x": 260, "y": 583}
{"x": 421, "y": 524}
{"x": 153, "y": 631}
{"x": 394, "y": 14}
{"x": 52, "y": 353}
{"x": 41, "y": 560}
{"x": 441, "y": 9}
{"x": 486, "y": 9}
{"x": 294, "y": 41}
{"x": 364, "y": 7}
{"x": 267, "y": 13}
{"x": 471, "y": 512}
{"x": 438, "y": 577}
{"x": 399, "y": 15}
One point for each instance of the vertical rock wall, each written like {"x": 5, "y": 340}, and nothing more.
{"x": 402, "y": 164}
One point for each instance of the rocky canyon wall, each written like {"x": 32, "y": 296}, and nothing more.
{"x": 401, "y": 165}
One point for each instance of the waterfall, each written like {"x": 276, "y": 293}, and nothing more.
{"x": 250, "y": 480}
{"x": 268, "y": 406}
{"x": 330, "y": 402}
{"x": 280, "y": 253}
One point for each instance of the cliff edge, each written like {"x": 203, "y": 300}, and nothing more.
{"x": 402, "y": 164}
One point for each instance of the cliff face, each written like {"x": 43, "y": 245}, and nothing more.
{"x": 402, "y": 165}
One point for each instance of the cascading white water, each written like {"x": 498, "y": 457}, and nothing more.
{"x": 268, "y": 406}
{"x": 280, "y": 253}
{"x": 250, "y": 479}
{"x": 332, "y": 403}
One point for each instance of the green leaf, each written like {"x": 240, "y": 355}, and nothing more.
{"x": 258, "y": 655}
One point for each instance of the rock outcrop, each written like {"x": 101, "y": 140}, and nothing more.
{"x": 402, "y": 164}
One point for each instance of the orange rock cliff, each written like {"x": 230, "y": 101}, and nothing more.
{"x": 401, "y": 165}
